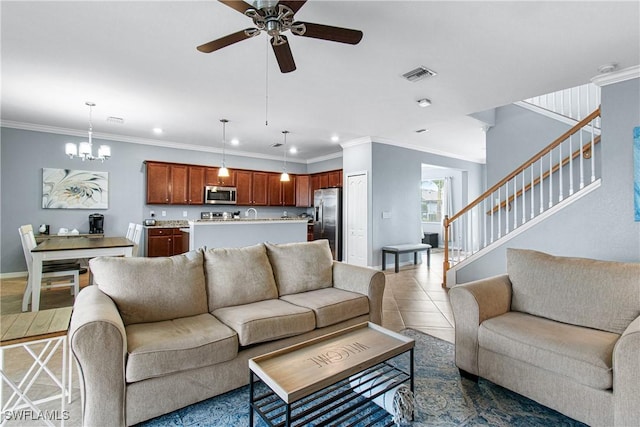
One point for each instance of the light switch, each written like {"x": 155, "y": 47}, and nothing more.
{"x": 386, "y": 214}
{"x": 185, "y": 214}
{"x": 164, "y": 213}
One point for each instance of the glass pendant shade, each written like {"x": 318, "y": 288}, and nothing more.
{"x": 223, "y": 172}
{"x": 71, "y": 149}
{"x": 85, "y": 149}
{"x": 284, "y": 177}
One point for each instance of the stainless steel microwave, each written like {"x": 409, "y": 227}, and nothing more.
{"x": 214, "y": 195}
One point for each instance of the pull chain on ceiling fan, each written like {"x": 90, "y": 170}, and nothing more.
{"x": 275, "y": 19}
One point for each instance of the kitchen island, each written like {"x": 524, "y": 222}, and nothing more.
{"x": 239, "y": 232}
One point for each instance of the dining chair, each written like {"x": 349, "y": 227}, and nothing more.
{"x": 135, "y": 237}
{"x": 131, "y": 230}
{"x": 52, "y": 271}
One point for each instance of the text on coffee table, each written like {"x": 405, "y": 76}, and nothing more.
{"x": 338, "y": 354}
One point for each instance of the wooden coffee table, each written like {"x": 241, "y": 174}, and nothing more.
{"x": 314, "y": 380}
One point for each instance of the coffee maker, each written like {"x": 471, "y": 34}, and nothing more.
{"x": 96, "y": 223}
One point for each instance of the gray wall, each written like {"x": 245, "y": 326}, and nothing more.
{"x": 24, "y": 154}
{"x": 600, "y": 225}
{"x": 394, "y": 182}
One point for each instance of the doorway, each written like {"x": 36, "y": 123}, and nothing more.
{"x": 357, "y": 219}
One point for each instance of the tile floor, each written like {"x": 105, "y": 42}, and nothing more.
{"x": 413, "y": 298}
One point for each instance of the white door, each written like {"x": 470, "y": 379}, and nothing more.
{"x": 356, "y": 214}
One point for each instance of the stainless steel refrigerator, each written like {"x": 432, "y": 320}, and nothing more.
{"x": 327, "y": 223}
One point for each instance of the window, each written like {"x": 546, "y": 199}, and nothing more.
{"x": 432, "y": 191}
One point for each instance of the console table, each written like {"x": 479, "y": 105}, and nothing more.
{"x": 404, "y": 249}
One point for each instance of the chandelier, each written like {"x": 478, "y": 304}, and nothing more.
{"x": 85, "y": 149}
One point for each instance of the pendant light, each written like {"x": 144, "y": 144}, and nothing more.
{"x": 85, "y": 149}
{"x": 284, "y": 177}
{"x": 223, "y": 172}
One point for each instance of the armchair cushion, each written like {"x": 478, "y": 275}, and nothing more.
{"x": 301, "y": 267}
{"x": 331, "y": 305}
{"x": 584, "y": 355}
{"x": 602, "y": 294}
{"x": 161, "y": 348}
{"x": 140, "y": 286}
{"x": 238, "y": 276}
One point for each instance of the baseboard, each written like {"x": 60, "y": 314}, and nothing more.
{"x": 14, "y": 275}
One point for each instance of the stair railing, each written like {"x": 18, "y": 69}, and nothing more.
{"x": 547, "y": 178}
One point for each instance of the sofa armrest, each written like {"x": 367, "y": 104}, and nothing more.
{"x": 473, "y": 303}
{"x": 626, "y": 376}
{"x": 363, "y": 280}
{"x": 99, "y": 345}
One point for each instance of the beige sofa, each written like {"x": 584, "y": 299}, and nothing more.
{"x": 158, "y": 334}
{"x": 564, "y": 332}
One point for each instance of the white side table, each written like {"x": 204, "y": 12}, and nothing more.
{"x": 40, "y": 334}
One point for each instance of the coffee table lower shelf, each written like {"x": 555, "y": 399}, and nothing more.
{"x": 337, "y": 404}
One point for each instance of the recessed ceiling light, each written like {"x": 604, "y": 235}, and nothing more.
{"x": 158, "y": 131}
{"x": 424, "y": 102}
{"x": 293, "y": 150}
{"x": 335, "y": 138}
{"x": 235, "y": 141}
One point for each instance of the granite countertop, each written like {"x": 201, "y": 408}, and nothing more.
{"x": 171, "y": 223}
{"x": 246, "y": 220}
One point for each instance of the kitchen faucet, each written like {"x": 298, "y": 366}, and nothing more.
{"x": 255, "y": 213}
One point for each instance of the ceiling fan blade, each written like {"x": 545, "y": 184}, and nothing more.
{"x": 238, "y": 5}
{"x": 294, "y": 5}
{"x": 335, "y": 34}
{"x": 224, "y": 41}
{"x": 283, "y": 55}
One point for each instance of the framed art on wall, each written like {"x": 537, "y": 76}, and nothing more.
{"x": 74, "y": 189}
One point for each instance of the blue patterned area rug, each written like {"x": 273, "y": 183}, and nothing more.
{"x": 442, "y": 399}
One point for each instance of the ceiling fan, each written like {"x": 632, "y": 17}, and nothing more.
{"x": 275, "y": 18}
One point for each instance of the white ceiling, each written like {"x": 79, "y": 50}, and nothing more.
{"x": 138, "y": 61}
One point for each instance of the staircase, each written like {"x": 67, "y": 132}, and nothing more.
{"x": 564, "y": 171}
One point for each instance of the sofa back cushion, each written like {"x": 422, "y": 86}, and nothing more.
{"x": 301, "y": 267}
{"x": 602, "y": 295}
{"x": 237, "y": 276}
{"x": 153, "y": 289}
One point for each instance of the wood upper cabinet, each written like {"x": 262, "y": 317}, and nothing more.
{"x": 323, "y": 180}
{"x": 196, "y": 185}
{"x": 175, "y": 184}
{"x": 281, "y": 193}
{"x": 212, "y": 178}
{"x": 158, "y": 175}
{"x": 252, "y": 188}
{"x": 334, "y": 178}
{"x": 304, "y": 195}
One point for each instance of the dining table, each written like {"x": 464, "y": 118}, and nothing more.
{"x": 81, "y": 247}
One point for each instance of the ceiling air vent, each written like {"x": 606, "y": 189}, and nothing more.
{"x": 419, "y": 74}
{"x": 116, "y": 120}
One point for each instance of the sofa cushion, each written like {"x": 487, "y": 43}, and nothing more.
{"x": 331, "y": 305}
{"x": 301, "y": 267}
{"x": 153, "y": 289}
{"x": 238, "y": 276}
{"x": 582, "y": 354}
{"x": 162, "y": 348}
{"x": 597, "y": 294}
{"x": 266, "y": 320}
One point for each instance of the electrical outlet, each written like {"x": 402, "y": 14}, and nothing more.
{"x": 164, "y": 213}
{"x": 185, "y": 214}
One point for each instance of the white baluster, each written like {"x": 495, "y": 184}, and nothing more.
{"x": 506, "y": 207}
{"x": 515, "y": 202}
{"x": 524, "y": 198}
{"x": 560, "y": 173}
{"x": 541, "y": 188}
{"x": 581, "y": 161}
{"x": 570, "y": 165}
{"x": 593, "y": 153}
{"x": 551, "y": 178}
{"x": 484, "y": 221}
{"x": 499, "y": 215}
{"x": 491, "y": 203}
{"x": 532, "y": 192}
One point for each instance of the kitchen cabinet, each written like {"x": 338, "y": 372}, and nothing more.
{"x": 164, "y": 242}
{"x": 304, "y": 195}
{"x": 175, "y": 184}
{"x": 252, "y": 188}
{"x": 334, "y": 178}
{"x": 281, "y": 193}
{"x": 212, "y": 178}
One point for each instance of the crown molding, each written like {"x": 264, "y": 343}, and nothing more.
{"x": 143, "y": 141}
{"x": 617, "y": 76}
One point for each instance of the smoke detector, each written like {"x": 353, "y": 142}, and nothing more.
{"x": 424, "y": 102}
{"x": 607, "y": 68}
{"x": 419, "y": 73}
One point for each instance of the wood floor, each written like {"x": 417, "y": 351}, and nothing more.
{"x": 413, "y": 298}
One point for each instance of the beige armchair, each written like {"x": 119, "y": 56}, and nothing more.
{"x": 564, "y": 332}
